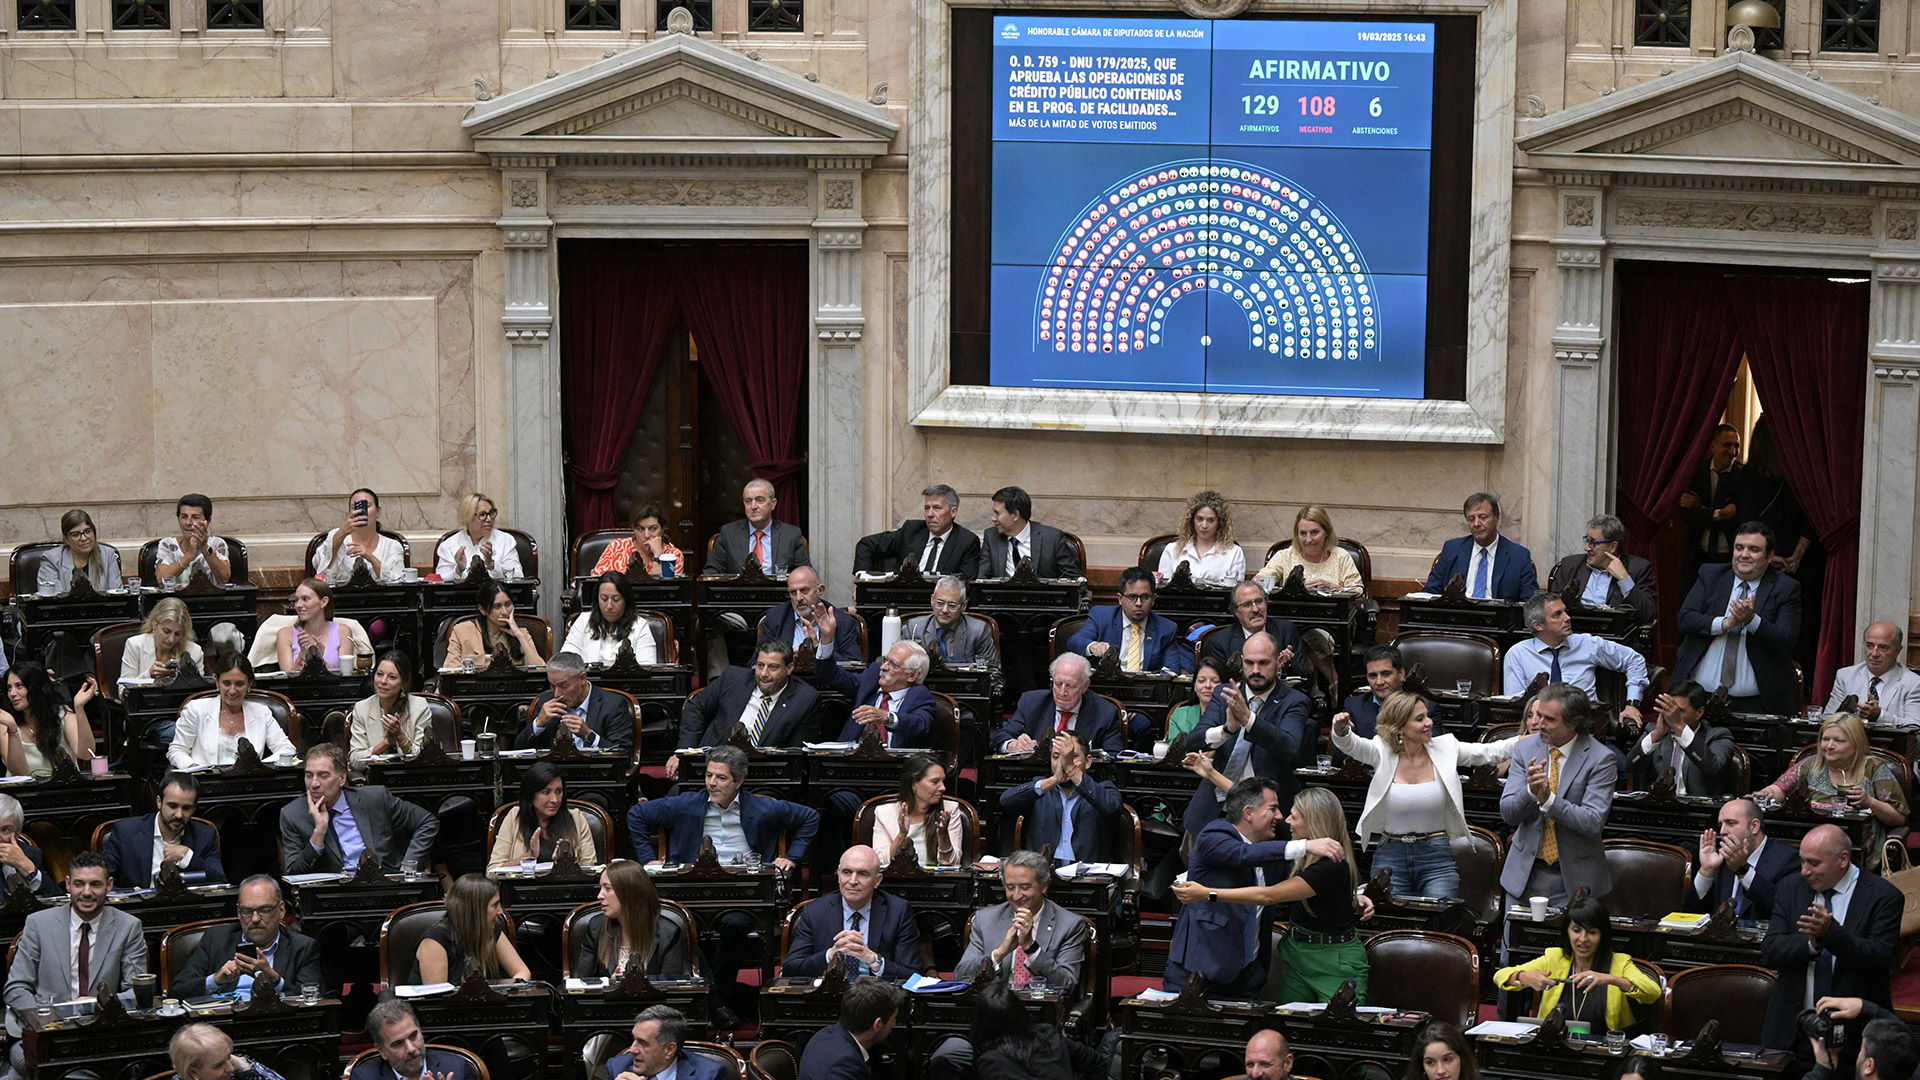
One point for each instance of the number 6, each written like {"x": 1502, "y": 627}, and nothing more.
{"x": 1373, "y": 107}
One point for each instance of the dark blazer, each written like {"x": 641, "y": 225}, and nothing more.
{"x": 777, "y": 625}
{"x": 1097, "y": 819}
{"x": 669, "y": 955}
{"x": 1162, "y": 647}
{"x": 1778, "y": 859}
{"x": 1644, "y": 599}
{"x": 890, "y": 931}
{"x": 607, "y": 716}
{"x": 1699, "y": 519}
{"x": 833, "y": 1055}
{"x": 734, "y": 543}
{"x": 1210, "y": 937}
{"x": 1036, "y": 716}
{"x": 685, "y": 1067}
{"x": 129, "y": 853}
{"x": 1283, "y": 740}
{"x": 959, "y": 549}
{"x": 395, "y": 830}
{"x": 1052, "y": 556}
{"x": 374, "y": 1067}
{"x": 1228, "y": 643}
{"x": 297, "y": 959}
{"x": 764, "y": 819}
{"x": 1862, "y": 949}
{"x": 1708, "y": 762}
{"x": 48, "y": 886}
{"x": 1776, "y": 604}
{"x": 710, "y": 716}
{"x": 913, "y": 718}
{"x": 1512, "y": 578}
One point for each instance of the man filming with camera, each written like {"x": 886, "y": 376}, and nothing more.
{"x": 1887, "y": 1048}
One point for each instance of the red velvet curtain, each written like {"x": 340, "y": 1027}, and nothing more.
{"x": 1806, "y": 344}
{"x": 747, "y": 310}
{"x": 1679, "y": 351}
{"x": 616, "y": 309}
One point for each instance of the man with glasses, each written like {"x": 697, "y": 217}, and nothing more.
{"x": 954, "y": 638}
{"x": 1249, "y": 618}
{"x": 1605, "y": 576}
{"x": 1145, "y": 641}
{"x": 1066, "y": 706}
{"x": 231, "y": 958}
{"x": 887, "y": 695}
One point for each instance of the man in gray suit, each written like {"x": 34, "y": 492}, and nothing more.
{"x": 328, "y": 828}
{"x": 85, "y": 944}
{"x": 1556, "y": 799}
{"x": 954, "y": 638}
{"x": 780, "y": 545}
{"x": 1015, "y": 536}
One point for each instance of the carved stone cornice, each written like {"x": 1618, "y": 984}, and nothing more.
{"x": 691, "y": 191}
{"x": 660, "y": 95}
{"x": 1746, "y": 112}
{"x": 1743, "y": 216}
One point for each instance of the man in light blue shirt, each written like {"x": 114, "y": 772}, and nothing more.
{"x": 1566, "y": 657}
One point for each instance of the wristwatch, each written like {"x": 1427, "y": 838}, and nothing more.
{"x": 1213, "y": 894}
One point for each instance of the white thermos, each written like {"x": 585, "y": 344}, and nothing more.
{"x": 889, "y": 630}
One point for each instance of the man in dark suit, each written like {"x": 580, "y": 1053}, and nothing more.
{"x": 1556, "y": 800}
{"x": 947, "y": 632}
{"x": 1496, "y": 568}
{"x": 1065, "y": 707}
{"x": 794, "y": 622}
{"x": 1708, "y": 507}
{"x": 887, "y": 695}
{"x": 1702, "y": 758}
{"x": 403, "y": 1051}
{"x": 774, "y": 707}
{"x": 658, "y": 1033}
{"x": 1015, "y": 536}
{"x": 326, "y": 830}
{"x": 1605, "y": 575}
{"x": 1739, "y": 625}
{"x": 779, "y": 546}
{"x": 1227, "y": 943}
{"x": 871, "y": 932}
{"x": 1256, "y": 727}
{"x": 136, "y": 846}
{"x": 232, "y": 957}
{"x": 934, "y": 544}
{"x": 1833, "y": 934}
{"x": 1250, "y": 618}
{"x": 598, "y": 721}
{"x": 1386, "y": 674}
{"x": 868, "y": 1011}
{"x": 1739, "y": 863}
{"x": 1066, "y": 810}
{"x": 21, "y": 863}
{"x": 1145, "y": 641}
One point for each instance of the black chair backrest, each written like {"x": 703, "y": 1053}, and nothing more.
{"x": 1155, "y": 547}
{"x": 773, "y": 1059}
{"x": 400, "y": 938}
{"x": 671, "y": 911}
{"x": 313, "y": 545}
{"x": 443, "y": 719}
{"x": 587, "y": 550}
{"x": 1448, "y": 658}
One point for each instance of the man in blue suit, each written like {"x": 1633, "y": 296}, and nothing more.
{"x": 1256, "y": 727}
{"x": 403, "y": 1050}
{"x": 1145, "y": 641}
{"x": 793, "y": 622}
{"x": 1738, "y": 626}
{"x": 871, "y": 932}
{"x": 1065, "y": 707}
{"x": 1739, "y": 863}
{"x": 1068, "y": 811}
{"x": 868, "y": 1011}
{"x": 1227, "y": 943}
{"x": 1496, "y": 568}
{"x": 137, "y": 846}
{"x": 887, "y": 695}
{"x": 655, "y": 1053}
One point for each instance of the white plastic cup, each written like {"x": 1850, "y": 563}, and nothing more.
{"x": 1539, "y": 906}
{"x": 467, "y": 749}
{"x": 1160, "y": 750}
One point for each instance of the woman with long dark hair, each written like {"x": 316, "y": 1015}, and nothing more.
{"x": 478, "y": 637}
{"x": 37, "y": 724}
{"x": 629, "y": 925}
{"x": 542, "y": 820}
{"x": 391, "y": 720}
{"x": 1584, "y": 977}
{"x": 595, "y": 635}
{"x": 474, "y": 934}
{"x": 1442, "y": 1052}
{"x": 931, "y": 825}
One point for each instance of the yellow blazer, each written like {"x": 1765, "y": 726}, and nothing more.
{"x": 1556, "y": 964}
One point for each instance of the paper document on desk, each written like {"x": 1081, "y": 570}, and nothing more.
{"x": 830, "y": 745}
{"x": 1506, "y": 1028}
{"x": 423, "y": 990}
{"x": 1155, "y": 995}
{"x": 311, "y": 879}
{"x": 920, "y": 984}
{"x": 1110, "y": 869}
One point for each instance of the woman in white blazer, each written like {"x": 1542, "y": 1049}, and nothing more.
{"x": 209, "y": 730}
{"x": 166, "y": 635}
{"x": 1414, "y": 803}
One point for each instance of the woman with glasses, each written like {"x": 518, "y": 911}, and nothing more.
{"x": 649, "y": 541}
{"x": 80, "y": 550}
{"x": 477, "y": 539}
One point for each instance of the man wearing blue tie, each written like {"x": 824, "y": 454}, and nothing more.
{"x": 1739, "y": 863}
{"x": 1496, "y": 568}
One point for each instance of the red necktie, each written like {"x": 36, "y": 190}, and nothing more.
{"x": 86, "y": 956}
{"x": 1065, "y": 719}
{"x": 884, "y": 712}
{"x": 759, "y": 553}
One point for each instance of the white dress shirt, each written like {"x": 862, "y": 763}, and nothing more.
{"x": 1702, "y": 885}
{"x": 1025, "y": 539}
{"x": 446, "y": 557}
{"x": 1225, "y": 564}
{"x": 1580, "y": 654}
{"x": 393, "y": 561}
{"x": 160, "y": 850}
{"x": 1489, "y": 555}
{"x": 94, "y": 957}
{"x": 723, "y": 827}
{"x": 935, "y": 547}
{"x": 753, "y": 706}
{"x": 1898, "y": 692}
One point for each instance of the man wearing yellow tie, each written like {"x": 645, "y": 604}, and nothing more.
{"x": 1146, "y": 642}
{"x": 1557, "y": 804}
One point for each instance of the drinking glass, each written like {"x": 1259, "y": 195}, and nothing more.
{"x": 309, "y": 993}
{"x": 1658, "y": 1043}
{"x": 1463, "y": 687}
{"x": 43, "y": 1005}
{"x": 527, "y": 864}
{"x": 1616, "y": 1042}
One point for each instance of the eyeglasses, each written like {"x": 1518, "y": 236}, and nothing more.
{"x": 1136, "y": 598}
{"x": 487, "y": 514}
{"x": 1592, "y": 543}
{"x": 265, "y": 912}
{"x": 946, "y": 605}
{"x": 84, "y": 533}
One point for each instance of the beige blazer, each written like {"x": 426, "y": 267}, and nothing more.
{"x": 508, "y": 848}
{"x": 463, "y": 640}
{"x": 366, "y": 729}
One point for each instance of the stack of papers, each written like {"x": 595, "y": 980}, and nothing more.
{"x": 1682, "y": 920}
{"x": 830, "y": 745}
{"x": 423, "y": 990}
{"x": 1505, "y": 1028}
{"x": 1110, "y": 869}
{"x": 1155, "y": 995}
{"x": 313, "y": 879}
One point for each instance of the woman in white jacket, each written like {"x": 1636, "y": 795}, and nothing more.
{"x": 210, "y": 728}
{"x": 1414, "y": 804}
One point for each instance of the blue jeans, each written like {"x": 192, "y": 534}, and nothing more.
{"x": 1420, "y": 867}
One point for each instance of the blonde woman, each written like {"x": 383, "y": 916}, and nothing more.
{"x": 1414, "y": 807}
{"x": 1842, "y": 770}
{"x": 1317, "y": 548}
{"x": 163, "y": 640}
{"x": 1206, "y": 544}
{"x": 477, "y": 538}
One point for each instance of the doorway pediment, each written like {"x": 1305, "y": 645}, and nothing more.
{"x": 1740, "y": 114}
{"x": 679, "y": 95}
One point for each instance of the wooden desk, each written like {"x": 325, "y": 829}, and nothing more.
{"x": 157, "y": 916}
{"x": 672, "y": 597}
{"x": 42, "y": 616}
{"x": 489, "y": 700}
{"x": 1678, "y": 821}
{"x": 141, "y": 707}
{"x": 1621, "y": 624}
{"x": 586, "y": 1013}
{"x": 453, "y": 599}
{"x": 396, "y": 601}
{"x": 794, "y": 1008}
{"x": 61, "y": 816}
{"x": 829, "y": 771}
{"x": 1643, "y": 940}
{"x": 345, "y": 919}
{"x": 781, "y": 773}
{"x": 747, "y": 597}
{"x": 1511, "y": 1059}
{"x": 294, "y": 1041}
{"x": 933, "y": 1018}
{"x": 1184, "y": 1036}
{"x": 594, "y": 776}
{"x": 1187, "y": 605}
{"x": 902, "y": 593}
{"x": 316, "y": 695}
{"x": 1340, "y": 615}
{"x": 763, "y": 895}
{"x": 517, "y": 1021}
{"x": 238, "y": 604}
{"x": 946, "y": 892}
{"x": 1498, "y": 619}
{"x": 1153, "y": 693}
{"x": 246, "y": 811}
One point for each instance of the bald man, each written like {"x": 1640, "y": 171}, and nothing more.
{"x": 1268, "y": 1057}
{"x": 1833, "y": 934}
{"x": 778, "y": 545}
{"x": 869, "y": 931}
{"x": 1886, "y": 688}
{"x": 793, "y": 621}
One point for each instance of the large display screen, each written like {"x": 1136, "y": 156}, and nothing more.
{"x": 1235, "y": 206}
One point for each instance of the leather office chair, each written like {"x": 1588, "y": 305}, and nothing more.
{"x": 1421, "y": 969}
{"x": 177, "y": 946}
{"x": 665, "y": 645}
{"x": 313, "y": 545}
{"x": 1734, "y": 994}
{"x": 400, "y": 937}
{"x": 1450, "y": 658}
{"x": 1649, "y": 879}
{"x": 1061, "y": 632}
{"x": 670, "y": 910}
{"x": 1478, "y": 855}
{"x": 773, "y": 1059}
{"x": 599, "y": 826}
{"x": 109, "y": 648}
{"x": 1152, "y": 551}
{"x": 236, "y": 561}
{"x": 443, "y": 720}
{"x": 1079, "y": 549}
{"x": 473, "y": 1059}
{"x": 732, "y": 1065}
{"x": 1901, "y": 767}
{"x": 1362, "y": 558}
{"x": 943, "y": 731}
{"x": 969, "y": 833}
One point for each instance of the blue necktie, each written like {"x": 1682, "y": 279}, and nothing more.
{"x": 1739, "y": 900}
{"x": 1823, "y": 964}
{"x": 855, "y": 968}
{"x": 1553, "y": 672}
{"x": 1480, "y": 577}
{"x": 943, "y": 643}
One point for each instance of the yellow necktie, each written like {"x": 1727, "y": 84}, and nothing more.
{"x": 1130, "y": 658}
{"x": 1549, "y": 843}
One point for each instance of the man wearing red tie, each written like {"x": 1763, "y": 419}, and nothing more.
{"x": 887, "y": 695}
{"x": 1066, "y": 706}
{"x": 776, "y": 545}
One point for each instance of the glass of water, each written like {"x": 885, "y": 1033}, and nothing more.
{"x": 43, "y": 1006}
{"x": 1463, "y": 687}
{"x": 753, "y": 860}
{"x": 527, "y": 864}
{"x": 1658, "y": 1043}
{"x": 1616, "y": 1042}
{"x": 1323, "y": 762}
{"x": 309, "y": 993}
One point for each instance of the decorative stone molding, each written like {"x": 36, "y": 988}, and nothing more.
{"x": 1743, "y": 216}
{"x": 676, "y": 191}
{"x": 524, "y": 238}
{"x": 1889, "y": 373}
{"x": 1902, "y": 224}
{"x": 839, "y": 195}
{"x": 1577, "y": 257}
{"x": 1579, "y": 211}
{"x": 1212, "y": 9}
{"x": 834, "y": 240}
{"x": 1579, "y": 357}
{"x": 523, "y": 193}
{"x": 720, "y": 103}
{"x": 1748, "y": 112}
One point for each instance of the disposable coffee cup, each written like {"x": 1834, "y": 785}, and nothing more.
{"x": 467, "y": 749}
{"x": 98, "y": 766}
{"x": 1160, "y": 750}
{"x": 1539, "y": 906}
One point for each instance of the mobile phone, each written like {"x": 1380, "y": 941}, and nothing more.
{"x": 250, "y": 949}
{"x": 173, "y": 665}
{"x": 360, "y": 508}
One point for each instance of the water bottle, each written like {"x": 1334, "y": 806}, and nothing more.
{"x": 889, "y": 630}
